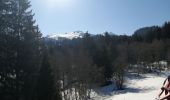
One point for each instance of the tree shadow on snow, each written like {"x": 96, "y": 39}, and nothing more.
{"x": 111, "y": 91}
{"x": 134, "y": 76}
{"x": 134, "y": 90}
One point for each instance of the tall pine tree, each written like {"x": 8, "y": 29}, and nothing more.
{"x": 20, "y": 50}
{"x": 47, "y": 86}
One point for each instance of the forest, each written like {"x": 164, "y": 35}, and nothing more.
{"x": 33, "y": 67}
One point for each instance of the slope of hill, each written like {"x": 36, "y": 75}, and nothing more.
{"x": 144, "y": 88}
{"x": 70, "y": 35}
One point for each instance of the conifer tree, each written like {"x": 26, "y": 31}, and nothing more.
{"x": 20, "y": 53}
{"x": 47, "y": 87}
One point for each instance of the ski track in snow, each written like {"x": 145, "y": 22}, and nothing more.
{"x": 145, "y": 87}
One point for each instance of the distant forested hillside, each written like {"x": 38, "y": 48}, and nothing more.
{"x": 148, "y": 34}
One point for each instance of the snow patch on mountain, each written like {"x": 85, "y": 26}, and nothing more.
{"x": 70, "y": 35}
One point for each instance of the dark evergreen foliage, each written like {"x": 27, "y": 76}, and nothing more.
{"x": 47, "y": 87}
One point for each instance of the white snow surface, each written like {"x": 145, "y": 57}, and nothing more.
{"x": 70, "y": 35}
{"x": 145, "y": 87}
{"x": 73, "y": 35}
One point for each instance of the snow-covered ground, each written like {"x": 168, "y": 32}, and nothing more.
{"x": 145, "y": 87}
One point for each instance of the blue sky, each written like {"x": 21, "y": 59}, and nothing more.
{"x": 97, "y": 16}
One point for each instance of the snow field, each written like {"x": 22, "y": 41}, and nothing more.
{"x": 145, "y": 87}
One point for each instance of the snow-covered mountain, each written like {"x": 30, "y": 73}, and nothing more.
{"x": 70, "y": 35}
{"x": 73, "y": 35}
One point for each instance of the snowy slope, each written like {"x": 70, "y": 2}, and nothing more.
{"x": 143, "y": 88}
{"x": 70, "y": 35}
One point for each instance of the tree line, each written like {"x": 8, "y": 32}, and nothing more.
{"x": 32, "y": 68}
{"x": 109, "y": 57}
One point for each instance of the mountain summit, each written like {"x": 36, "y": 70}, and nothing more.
{"x": 70, "y": 35}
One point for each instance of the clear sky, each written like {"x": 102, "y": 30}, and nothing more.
{"x": 97, "y": 16}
